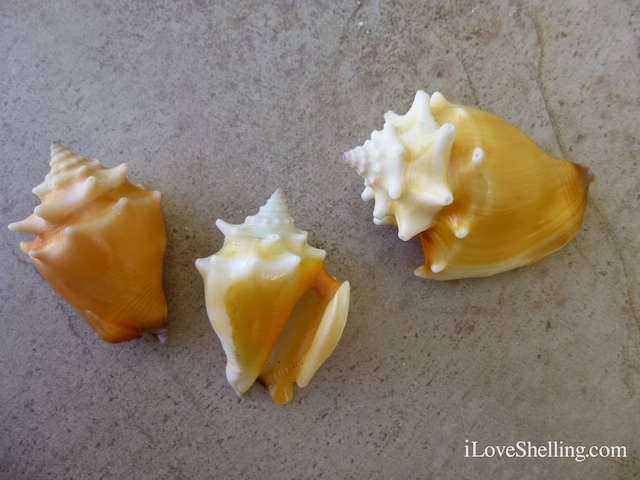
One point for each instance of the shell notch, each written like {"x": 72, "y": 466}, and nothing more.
{"x": 480, "y": 195}
{"x": 277, "y": 312}
{"x": 100, "y": 243}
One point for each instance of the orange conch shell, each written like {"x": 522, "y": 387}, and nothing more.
{"x": 100, "y": 243}
{"x": 480, "y": 195}
{"x": 277, "y": 312}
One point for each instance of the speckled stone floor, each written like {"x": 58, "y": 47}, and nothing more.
{"x": 216, "y": 104}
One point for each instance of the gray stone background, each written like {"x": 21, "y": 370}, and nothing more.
{"x": 216, "y": 104}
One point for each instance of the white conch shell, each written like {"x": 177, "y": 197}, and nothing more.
{"x": 277, "y": 312}
{"x": 480, "y": 195}
{"x": 100, "y": 243}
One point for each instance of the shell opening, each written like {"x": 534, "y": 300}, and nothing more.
{"x": 268, "y": 297}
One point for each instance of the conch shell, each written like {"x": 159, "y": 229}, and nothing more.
{"x": 100, "y": 243}
{"x": 277, "y": 312}
{"x": 480, "y": 195}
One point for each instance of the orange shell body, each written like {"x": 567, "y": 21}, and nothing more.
{"x": 100, "y": 243}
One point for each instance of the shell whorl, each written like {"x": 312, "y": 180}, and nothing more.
{"x": 481, "y": 196}
{"x": 271, "y": 225}
{"x": 73, "y": 182}
{"x": 405, "y": 167}
{"x": 100, "y": 242}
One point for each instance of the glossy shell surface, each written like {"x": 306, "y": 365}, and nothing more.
{"x": 277, "y": 312}
{"x": 480, "y": 195}
{"x": 100, "y": 242}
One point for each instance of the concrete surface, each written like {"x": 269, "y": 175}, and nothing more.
{"x": 216, "y": 104}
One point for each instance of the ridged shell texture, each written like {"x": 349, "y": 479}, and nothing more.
{"x": 480, "y": 195}
{"x": 100, "y": 243}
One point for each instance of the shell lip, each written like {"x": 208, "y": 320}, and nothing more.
{"x": 267, "y": 270}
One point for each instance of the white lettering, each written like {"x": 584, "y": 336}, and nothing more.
{"x": 522, "y": 451}
{"x": 552, "y": 449}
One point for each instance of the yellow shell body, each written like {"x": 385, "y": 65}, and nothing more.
{"x": 277, "y": 312}
{"x": 100, "y": 243}
{"x": 481, "y": 196}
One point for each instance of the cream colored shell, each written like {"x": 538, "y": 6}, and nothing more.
{"x": 277, "y": 312}
{"x": 480, "y": 195}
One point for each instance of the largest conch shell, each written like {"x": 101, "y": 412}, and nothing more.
{"x": 481, "y": 196}
{"x": 100, "y": 243}
{"x": 277, "y": 312}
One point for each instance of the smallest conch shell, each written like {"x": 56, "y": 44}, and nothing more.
{"x": 100, "y": 242}
{"x": 277, "y": 312}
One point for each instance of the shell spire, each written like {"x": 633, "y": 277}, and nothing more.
{"x": 276, "y": 311}
{"x": 273, "y": 219}
{"x": 480, "y": 195}
{"x": 274, "y": 211}
{"x": 100, "y": 243}
{"x": 405, "y": 168}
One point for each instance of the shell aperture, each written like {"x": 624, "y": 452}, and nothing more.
{"x": 276, "y": 311}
